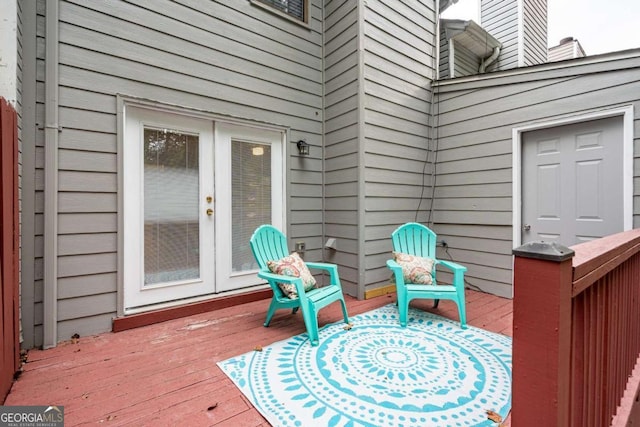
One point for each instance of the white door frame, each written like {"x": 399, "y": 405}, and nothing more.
{"x": 125, "y": 103}
{"x": 627, "y": 158}
{"x": 137, "y": 294}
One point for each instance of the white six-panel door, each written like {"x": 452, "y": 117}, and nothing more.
{"x": 572, "y": 182}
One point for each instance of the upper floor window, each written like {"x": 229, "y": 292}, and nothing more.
{"x": 296, "y": 9}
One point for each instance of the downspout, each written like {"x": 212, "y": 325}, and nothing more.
{"x": 452, "y": 59}
{"x": 362, "y": 217}
{"x": 51, "y": 129}
{"x": 324, "y": 135}
{"x": 489, "y": 60}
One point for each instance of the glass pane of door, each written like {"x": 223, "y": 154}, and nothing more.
{"x": 171, "y": 206}
{"x": 168, "y": 208}
{"x": 249, "y": 192}
{"x": 250, "y": 198}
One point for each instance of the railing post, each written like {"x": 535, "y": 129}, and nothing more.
{"x": 541, "y": 335}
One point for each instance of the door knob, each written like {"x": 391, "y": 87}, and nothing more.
{"x": 209, "y": 211}
{"x": 526, "y": 227}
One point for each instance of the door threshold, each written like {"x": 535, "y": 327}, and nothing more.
{"x": 190, "y": 309}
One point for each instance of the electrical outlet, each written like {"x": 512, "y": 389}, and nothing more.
{"x": 300, "y": 246}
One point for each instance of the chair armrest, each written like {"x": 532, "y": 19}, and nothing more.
{"x": 394, "y": 266}
{"x": 278, "y": 278}
{"x": 458, "y": 273}
{"x": 322, "y": 266}
{"x": 396, "y": 269}
{"x": 453, "y": 266}
{"x": 331, "y": 268}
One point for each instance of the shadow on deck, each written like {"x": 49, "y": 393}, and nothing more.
{"x": 166, "y": 374}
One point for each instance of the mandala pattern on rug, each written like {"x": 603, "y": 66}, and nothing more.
{"x": 431, "y": 373}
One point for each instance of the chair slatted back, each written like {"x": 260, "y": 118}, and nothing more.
{"x": 268, "y": 244}
{"x": 415, "y": 239}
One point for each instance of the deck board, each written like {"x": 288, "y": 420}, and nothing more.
{"x": 166, "y": 374}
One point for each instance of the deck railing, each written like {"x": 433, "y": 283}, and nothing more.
{"x": 576, "y": 333}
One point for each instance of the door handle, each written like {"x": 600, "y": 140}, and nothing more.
{"x": 209, "y": 211}
{"x": 526, "y": 227}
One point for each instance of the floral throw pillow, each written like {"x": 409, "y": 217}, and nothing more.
{"x": 293, "y": 266}
{"x": 415, "y": 269}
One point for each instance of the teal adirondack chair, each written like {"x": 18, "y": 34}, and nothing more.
{"x": 267, "y": 244}
{"x": 416, "y": 239}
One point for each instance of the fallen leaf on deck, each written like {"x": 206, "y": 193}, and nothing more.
{"x": 75, "y": 338}
{"x": 494, "y": 416}
{"x": 214, "y": 406}
{"x": 348, "y": 327}
{"x": 111, "y": 417}
{"x": 257, "y": 348}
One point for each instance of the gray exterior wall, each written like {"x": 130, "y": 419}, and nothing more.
{"x": 561, "y": 52}
{"x": 399, "y": 63}
{"x": 535, "y": 32}
{"x": 31, "y": 15}
{"x": 567, "y": 50}
{"x": 360, "y": 94}
{"x": 342, "y": 70}
{"x": 500, "y": 19}
{"x": 443, "y": 65}
{"x": 379, "y": 59}
{"x": 225, "y": 57}
{"x": 503, "y": 18}
{"x": 477, "y": 115}
{"x": 19, "y": 96}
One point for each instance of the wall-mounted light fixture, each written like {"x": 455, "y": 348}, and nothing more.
{"x": 303, "y": 147}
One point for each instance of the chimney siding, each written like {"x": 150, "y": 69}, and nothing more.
{"x": 521, "y": 27}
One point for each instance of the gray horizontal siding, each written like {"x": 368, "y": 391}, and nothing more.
{"x": 444, "y": 55}
{"x": 27, "y": 173}
{"x": 466, "y": 62}
{"x": 342, "y": 133}
{"x": 228, "y": 58}
{"x": 535, "y": 32}
{"x": 36, "y": 262}
{"x": 561, "y": 52}
{"x": 474, "y": 182}
{"x": 399, "y": 62}
{"x": 500, "y": 19}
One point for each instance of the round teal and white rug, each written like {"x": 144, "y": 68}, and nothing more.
{"x": 431, "y": 373}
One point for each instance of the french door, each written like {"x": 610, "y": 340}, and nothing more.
{"x": 194, "y": 191}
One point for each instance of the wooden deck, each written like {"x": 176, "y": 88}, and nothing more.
{"x": 166, "y": 374}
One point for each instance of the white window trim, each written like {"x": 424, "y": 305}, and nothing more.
{"x": 302, "y": 22}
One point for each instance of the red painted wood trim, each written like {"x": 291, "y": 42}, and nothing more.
{"x": 157, "y": 316}
{"x": 16, "y": 246}
{"x": 9, "y": 247}
{"x": 541, "y": 342}
{"x": 590, "y": 255}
